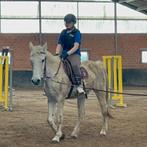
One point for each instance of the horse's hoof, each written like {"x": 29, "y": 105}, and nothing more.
{"x": 62, "y": 137}
{"x": 103, "y": 133}
{"x": 74, "y": 136}
{"x": 55, "y": 141}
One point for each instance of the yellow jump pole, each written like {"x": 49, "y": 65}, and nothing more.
{"x": 6, "y": 82}
{"x": 117, "y": 82}
{"x": 1, "y": 74}
{"x": 120, "y": 83}
{"x": 115, "y": 97}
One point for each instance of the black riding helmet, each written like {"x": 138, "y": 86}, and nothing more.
{"x": 70, "y": 18}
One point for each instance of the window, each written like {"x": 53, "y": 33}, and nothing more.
{"x": 144, "y": 56}
{"x": 99, "y": 16}
{"x": 52, "y": 26}
{"x": 19, "y": 9}
{"x": 96, "y": 10}
{"x": 58, "y": 9}
{"x": 132, "y": 26}
{"x": 84, "y": 56}
{"x": 19, "y": 17}
{"x": 96, "y": 26}
{"x": 23, "y": 17}
{"x": 53, "y": 14}
{"x": 19, "y": 26}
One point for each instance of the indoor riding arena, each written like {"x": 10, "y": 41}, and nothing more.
{"x": 35, "y": 90}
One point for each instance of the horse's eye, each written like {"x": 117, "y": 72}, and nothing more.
{"x": 43, "y": 60}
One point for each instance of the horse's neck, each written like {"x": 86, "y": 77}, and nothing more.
{"x": 52, "y": 63}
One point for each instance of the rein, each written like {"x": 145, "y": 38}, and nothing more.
{"x": 44, "y": 70}
{"x": 58, "y": 69}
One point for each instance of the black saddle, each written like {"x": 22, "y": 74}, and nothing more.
{"x": 70, "y": 73}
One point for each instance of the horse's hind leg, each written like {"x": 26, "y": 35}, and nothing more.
{"x": 81, "y": 115}
{"x": 104, "y": 110}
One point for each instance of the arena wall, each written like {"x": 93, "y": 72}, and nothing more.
{"x": 98, "y": 45}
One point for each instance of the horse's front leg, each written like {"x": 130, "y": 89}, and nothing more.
{"x": 51, "y": 115}
{"x": 59, "y": 135}
{"x": 81, "y": 115}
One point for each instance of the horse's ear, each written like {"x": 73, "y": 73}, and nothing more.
{"x": 31, "y": 45}
{"x": 45, "y": 47}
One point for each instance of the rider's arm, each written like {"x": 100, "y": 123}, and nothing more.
{"x": 59, "y": 46}
{"x": 76, "y": 44}
{"x": 58, "y": 49}
{"x": 72, "y": 50}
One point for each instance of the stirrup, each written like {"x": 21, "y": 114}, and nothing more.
{"x": 80, "y": 89}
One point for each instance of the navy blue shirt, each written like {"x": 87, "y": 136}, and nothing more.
{"x": 68, "y": 38}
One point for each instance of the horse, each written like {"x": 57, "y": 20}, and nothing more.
{"x": 56, "y": 87}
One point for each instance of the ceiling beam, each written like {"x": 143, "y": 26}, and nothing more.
{"x": 62, "y": 0}
{"x": 127, "y": 1}
{"x": 141, "y": 8}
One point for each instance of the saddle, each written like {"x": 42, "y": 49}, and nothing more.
{"x": 70, "y": 73}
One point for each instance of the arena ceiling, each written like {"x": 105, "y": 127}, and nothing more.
{"x": 138, "y": 5}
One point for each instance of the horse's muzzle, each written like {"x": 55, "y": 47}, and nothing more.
{"x": 36, "y": 81}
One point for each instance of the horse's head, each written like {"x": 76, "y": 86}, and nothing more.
{"x": 37, "y": 57}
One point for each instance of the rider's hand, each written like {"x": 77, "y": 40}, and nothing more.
{"x": 64, "y": 55}
{"x": 56, "y": 54}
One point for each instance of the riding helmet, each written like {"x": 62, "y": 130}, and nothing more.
{"x": 70, "y": 18}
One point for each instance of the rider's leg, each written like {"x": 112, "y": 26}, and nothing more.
{"x": 75, "y": 63}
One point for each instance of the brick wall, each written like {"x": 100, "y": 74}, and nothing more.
{"x": 129, "y": 46}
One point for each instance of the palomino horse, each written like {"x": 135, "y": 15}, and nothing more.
{"x": 43, "y": 62}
